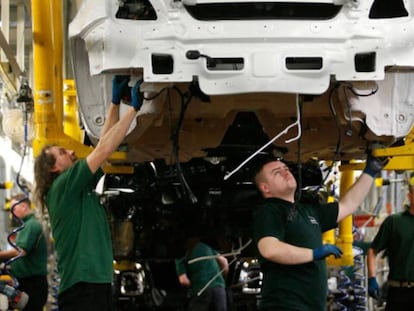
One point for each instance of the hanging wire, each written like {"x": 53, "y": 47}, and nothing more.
{"x": 338, "y": 148}
{"x": 185, "y": 101}
{"x": 350, "y": 87}
{"x": 234, "y": 253}
{"x": 298, "y": 195}
{"x": 297, "y": 124}
{"x": 26, "y": 99}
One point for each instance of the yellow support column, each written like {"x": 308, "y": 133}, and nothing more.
{"x": 45, "y": 123}
{"x": 48, "y": 80}
{"x": 328, "y": 237}
{"x": 71, "y": 122}
{"x": 345, "y": 238}
{"x": 57, "y": 41}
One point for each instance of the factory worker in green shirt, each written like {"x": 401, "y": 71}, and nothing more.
{"x": 288, "y": 236}
{"x": 65, "y": 186}
{"x": 395, "y": 238}
{"x": 30, "y": 267}
{"x": 205, "y": 277}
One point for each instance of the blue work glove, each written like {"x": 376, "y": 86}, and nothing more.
{"x": 325, "y": 251}
{"x": 373, "y": 288}
{"x": 136, "y": 96}
{"x": 119, "y": 88}
{"x": 374, "y": 165}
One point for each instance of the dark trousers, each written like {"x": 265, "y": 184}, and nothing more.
{"x": 36, "y": 288}
{"x": 399, "y": 298}
{"x": 212, "y": 299}
{"x": 86, "y": 297}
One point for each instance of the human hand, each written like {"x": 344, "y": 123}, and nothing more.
{"x": 136, "y": 96}
{"x": 119, "y": 88}
{"x": 325, "y": 251}
{"x": 373, "y": 288}
{"x": 374, "y": 165}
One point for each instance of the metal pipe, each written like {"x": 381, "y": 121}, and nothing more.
{"x": 345, "y": 238}
{"x": 45, "y": 120}
{"x": 48, "y": 80}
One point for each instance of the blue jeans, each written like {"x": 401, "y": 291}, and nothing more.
{"x": 212, "y": 299}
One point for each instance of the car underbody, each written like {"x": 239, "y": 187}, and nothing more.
{"x": 307, "y": 82}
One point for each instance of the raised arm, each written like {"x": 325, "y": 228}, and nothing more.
{"x": 353, "y": 198}
{"x": 119, "y": 90}
{"x": 349, "y": 202}
{"x": 113, "y": 135}
{"x": 110, "y": 141}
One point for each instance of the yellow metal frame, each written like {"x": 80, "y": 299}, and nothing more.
{"x": 328, "y": 237}
{"x": 49, "y": 119}
{"x": 345, "y": 238}
{"x": 47, "y": 70}
{"x": 71, "y": 117}
{"x": 400, "y": 158}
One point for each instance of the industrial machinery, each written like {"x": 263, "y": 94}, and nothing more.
{"x": 310, "y": 81}
{"x": 307, "y": 81}
{"x": 213, "y": 68}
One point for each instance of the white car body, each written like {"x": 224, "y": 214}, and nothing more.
{"x": 229, "y": 54}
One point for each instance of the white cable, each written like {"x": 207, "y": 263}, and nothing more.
{"x": 213, "y": 278}
{"x": 236, "y": 252}
{"x": 227, "y": 176}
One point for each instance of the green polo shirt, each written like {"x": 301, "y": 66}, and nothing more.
{"x": 298, "y": 287}
{"x": 203, "y": 271}
{"x": 80, "y": 228}
{"x": 396, "y": 238}
{"x": 32, "y": 240}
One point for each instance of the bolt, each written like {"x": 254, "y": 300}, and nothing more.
{"x": 401, "y": 117}
{"x": 99, "y": 120}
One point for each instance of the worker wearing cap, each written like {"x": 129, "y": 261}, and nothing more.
{"x": 395, "y": 238}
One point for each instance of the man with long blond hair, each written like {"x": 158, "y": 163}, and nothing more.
{"x": 65, "y": 186}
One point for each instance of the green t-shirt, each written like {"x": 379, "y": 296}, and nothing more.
{"x": 396, "y": 237}
{"x": 203, "y": 271}
{"x": 80, "y": 228}
{"x": 32, "y": 240}
{"x": 297, "y": 287}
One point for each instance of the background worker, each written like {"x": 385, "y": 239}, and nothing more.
{"x": 66, "y": 187}
{"x": 288, "y": 236}
{"x": 31, "y": 268}
{"x": 396, "y": 238}
{"x": 205, "y": 278}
